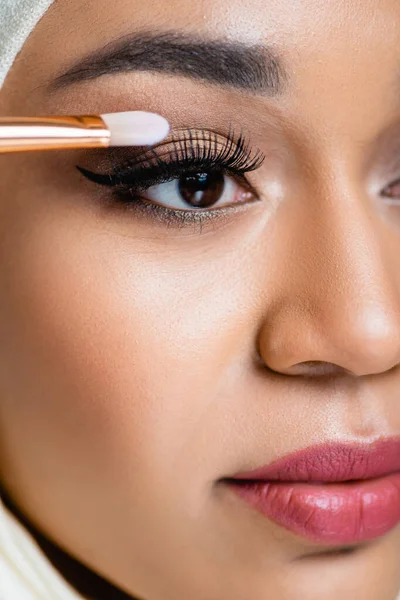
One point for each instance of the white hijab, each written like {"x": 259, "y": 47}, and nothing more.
{"x": 17, "y": 20}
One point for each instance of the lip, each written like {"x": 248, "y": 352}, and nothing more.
{"x": 335, "y": 494}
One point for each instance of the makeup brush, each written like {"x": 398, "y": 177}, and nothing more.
{"x": 137, "y": 128}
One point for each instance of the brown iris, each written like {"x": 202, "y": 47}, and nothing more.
{"x": 202, "y": 190}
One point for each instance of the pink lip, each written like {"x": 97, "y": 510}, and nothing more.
{"x": 334, "y": 494}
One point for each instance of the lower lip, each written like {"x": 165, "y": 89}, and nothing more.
{"x": 334, "y": 513}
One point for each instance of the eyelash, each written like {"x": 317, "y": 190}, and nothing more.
{"x": 191, "y": 152}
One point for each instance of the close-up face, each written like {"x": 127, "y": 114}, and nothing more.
{"x": 200, "y": 341}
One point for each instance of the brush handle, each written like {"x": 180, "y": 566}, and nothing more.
{"x": 24, "y": 134}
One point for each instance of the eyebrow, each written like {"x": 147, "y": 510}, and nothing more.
{"x": 252, "y": 68}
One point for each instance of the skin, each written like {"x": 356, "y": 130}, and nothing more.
{"x": 141, "y": 363}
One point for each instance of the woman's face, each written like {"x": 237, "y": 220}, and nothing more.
{"x": 148, "y": 354}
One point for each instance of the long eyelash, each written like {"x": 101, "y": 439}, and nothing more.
{"x": 191, "y": 151}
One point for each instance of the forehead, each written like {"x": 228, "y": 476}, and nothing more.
{"x": 287, "y": 22}
{"x": 341, "y": 57}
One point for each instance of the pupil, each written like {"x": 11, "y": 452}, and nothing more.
{"x": 202, "y": 190}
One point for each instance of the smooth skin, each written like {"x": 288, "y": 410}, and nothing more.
{"x": 140, "y": 363}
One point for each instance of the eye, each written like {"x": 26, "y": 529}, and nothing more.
{"x": 203, "y": 190}
{"x": 187, "y": 180}
{"x": 392, "y": 193}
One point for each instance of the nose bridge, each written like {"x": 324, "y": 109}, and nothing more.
{"x": 346, "y": 244}
{"x": 343, "y": 303}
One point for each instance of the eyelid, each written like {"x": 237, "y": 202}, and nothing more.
{"x": 211, "y": 143}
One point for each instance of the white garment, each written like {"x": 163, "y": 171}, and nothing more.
{"x": 25, "y": 571}
{"x": 17, "y": 20}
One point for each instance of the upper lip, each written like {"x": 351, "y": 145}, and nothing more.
{"x": 332, "y": 462}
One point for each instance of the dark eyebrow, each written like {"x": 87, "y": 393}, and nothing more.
{"x": 253, "y": 68}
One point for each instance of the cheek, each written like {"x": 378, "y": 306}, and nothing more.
{"x": 113, "y": 354}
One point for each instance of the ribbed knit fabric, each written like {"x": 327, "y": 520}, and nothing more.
{"x": 17, "y": 20}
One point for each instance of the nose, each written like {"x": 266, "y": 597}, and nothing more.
{"x": 336, "y": 307}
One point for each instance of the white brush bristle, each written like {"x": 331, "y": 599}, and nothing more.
{"x": 136, "y": 128}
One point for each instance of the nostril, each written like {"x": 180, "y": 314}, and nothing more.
{"x": 310, "y": 368}
{"x": 317, "y": 368}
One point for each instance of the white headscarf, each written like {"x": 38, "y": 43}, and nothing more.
{"x": 17, "y": 20}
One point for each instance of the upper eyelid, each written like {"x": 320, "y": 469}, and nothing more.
{"x": 165, "y": 173}
{"x": 212, "y": 145}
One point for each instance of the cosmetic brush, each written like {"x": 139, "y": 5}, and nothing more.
{"x": 137, "y": 128}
